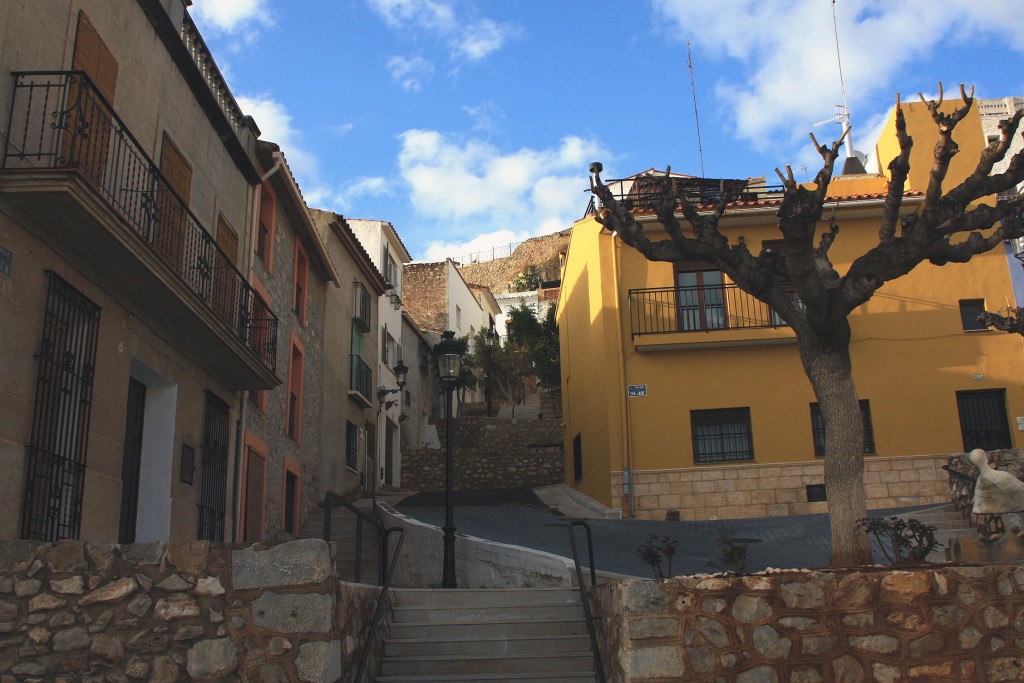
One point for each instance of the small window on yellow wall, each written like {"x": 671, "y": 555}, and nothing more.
{"x": 970, "y": 309}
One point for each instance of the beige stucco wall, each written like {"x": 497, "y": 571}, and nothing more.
{"x": 122, "y": 337}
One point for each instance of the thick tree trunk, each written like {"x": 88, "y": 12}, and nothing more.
{"x": 827, "y": 364}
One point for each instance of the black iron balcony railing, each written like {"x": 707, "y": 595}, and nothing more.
{"x": 60, "y": 121}
{"x": 361, "y": 378}
{"x": 698, "y": 309}
{"x": 644, "y": 192}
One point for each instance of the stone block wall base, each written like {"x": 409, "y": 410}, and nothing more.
{"x": 774, "y": 490}
{"x": 1007, "y": 549}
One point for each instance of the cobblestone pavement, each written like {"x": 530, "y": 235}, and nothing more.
{"x": 518, "y": 517}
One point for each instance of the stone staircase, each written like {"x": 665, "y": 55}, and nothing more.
{"x": 483, "y": 634}
{"x": 529, "y": 409}
{"x": 948, "y": 522}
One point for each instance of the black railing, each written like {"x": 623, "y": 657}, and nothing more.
{"x": 588, "y": 613}
{"x": 371, "y": 630}
{"x": 698, "y": 309}
{"x": 331, "y": 499}
{"x": 361, "y": 377}
{"x": 643, "y": 193}
{"x": 60, "y": 121}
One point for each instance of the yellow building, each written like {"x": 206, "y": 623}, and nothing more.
{"x": 683, "y": 393}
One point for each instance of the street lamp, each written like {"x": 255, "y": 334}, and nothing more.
{"x": 489, "y": 337}
{"x": 449, "y": 363}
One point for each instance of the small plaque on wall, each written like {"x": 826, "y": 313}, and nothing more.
{"x": 188, "y": 464}
{"x": 816, "y": 493}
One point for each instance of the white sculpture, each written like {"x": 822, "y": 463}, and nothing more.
{"x": 995, "y": 492}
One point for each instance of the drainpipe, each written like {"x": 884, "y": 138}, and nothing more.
{"x": 627, "y": 447}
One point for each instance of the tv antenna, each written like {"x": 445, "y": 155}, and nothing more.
{"x": 696, "y": 116}
{"x": 842, "y": 110}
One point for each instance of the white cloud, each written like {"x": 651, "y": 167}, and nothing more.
{"x": 468, "y": 36}
{"x": 410, "y": 73}
{"x": 275, "y": 124}
{"x": 481, "y": 39}
{"x": 473, "y": 188}
{"x": 230, "y": 16}
{"x": 788, "y": 55}
{"x": 344, "y": 198}
{"x": 485, "y": 116}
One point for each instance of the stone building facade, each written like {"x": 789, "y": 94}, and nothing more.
{"x": 281, "y": 466}
{"x": 350, "y": 344}
{"x": 130, "y": 329}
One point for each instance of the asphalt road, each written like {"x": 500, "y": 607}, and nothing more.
{"x": 518, "y": 517}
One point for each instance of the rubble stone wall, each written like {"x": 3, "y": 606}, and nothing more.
{"x": 178, "y": 611}
{"x": 935, "y": 624}
{"x": 490, "y": 453}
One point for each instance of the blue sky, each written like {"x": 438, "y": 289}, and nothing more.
{"x": 471, "y": 123}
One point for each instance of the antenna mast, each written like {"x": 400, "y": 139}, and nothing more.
{"x": 842, "y": 85}
{"x": 696, "y": 116}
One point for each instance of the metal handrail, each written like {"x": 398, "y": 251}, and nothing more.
{"x": 330, "y": 500}
{"x": 59, "y": 120}
{"x": 385, "y": 585}
{"x": 599, "y": 668}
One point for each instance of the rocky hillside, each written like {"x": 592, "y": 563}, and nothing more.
{"x": 538, "y": 252}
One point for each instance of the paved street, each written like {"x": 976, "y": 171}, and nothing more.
{"x": 519, "y": 517}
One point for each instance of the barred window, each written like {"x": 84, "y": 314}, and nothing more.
{"x": 721, "y": 435}
{"x": 818, "y": 429}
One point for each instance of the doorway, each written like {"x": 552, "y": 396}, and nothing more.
{"x": 131, "y": 461}
{"x": 983, "y": 422}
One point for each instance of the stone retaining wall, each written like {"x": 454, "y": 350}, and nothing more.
{"x": 490, "y": 453}
{"x": 163, "y": 612}
{"x": 740, "y": 491}
{"x": 936, "y": 624}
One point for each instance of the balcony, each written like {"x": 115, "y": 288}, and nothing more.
{"x": 75, "y": 174}
{"x": 360, "y": 388}
{"x": 665, "y": 318}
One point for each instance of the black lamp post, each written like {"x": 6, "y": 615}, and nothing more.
{"x": 449, "y": 363}
{"x": 489, "y": 337}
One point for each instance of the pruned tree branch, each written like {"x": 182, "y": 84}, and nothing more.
{"x": 1012, "y": 322}
{"x": 899, "y": 169}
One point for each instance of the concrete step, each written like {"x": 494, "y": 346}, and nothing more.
{"x": 485, "y": 613}
{"x": 545, "y": 676}
{"x": 487, "y": 635}
{"x": 550, "y": 662}
{"x": 476, "y": 597}
{"x": 484, "y": 630}
{"x": 521, "y": 645}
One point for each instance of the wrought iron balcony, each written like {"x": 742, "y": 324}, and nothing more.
{"x": 360, "y": 388}
{"x": 60, "y": 122}
{"x": 698, "y": 309}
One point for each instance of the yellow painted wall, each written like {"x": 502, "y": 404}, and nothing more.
{"x": 910, "y": 358}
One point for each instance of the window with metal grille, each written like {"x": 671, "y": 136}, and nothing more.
{"x": 214, "y": 469}
{"x": 351, "y": 446}
{"x": 721, "y": 435}
{"x": 970, "y": 309}
{"x": 818, "y": 429}
{"x": 55, "y": 475}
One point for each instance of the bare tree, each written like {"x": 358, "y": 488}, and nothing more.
{"x": 800, "y": 283}
{"x": 1012, "y": 322}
